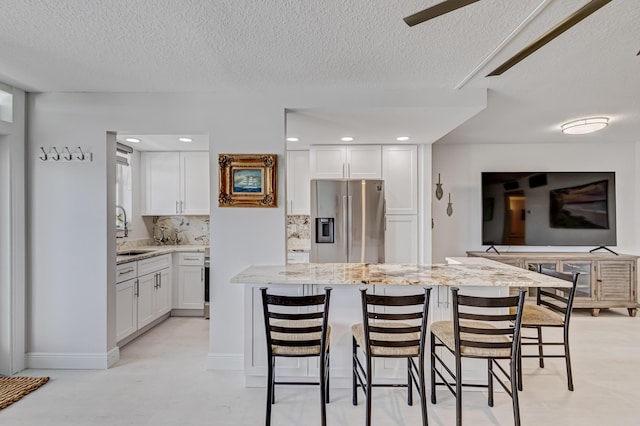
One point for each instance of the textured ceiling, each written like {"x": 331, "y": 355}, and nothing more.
{"x": 197, "y": 45}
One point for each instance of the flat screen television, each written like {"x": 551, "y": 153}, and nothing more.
{"x": 549, "y": 208}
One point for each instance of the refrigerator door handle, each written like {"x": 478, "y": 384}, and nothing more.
{"x": 350, "y": 220}
{"x": 345, "y": 225}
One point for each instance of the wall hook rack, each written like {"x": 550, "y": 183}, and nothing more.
{"x": 53, "y": 154}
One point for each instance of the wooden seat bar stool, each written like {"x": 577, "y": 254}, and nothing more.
{"x": 392, "y": 327}
{"x": 482, "y": 327}
{"x": 552, "y": 309}
{"x": 297, "y": 326}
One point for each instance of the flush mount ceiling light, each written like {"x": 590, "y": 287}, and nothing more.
{"x": 185, "y": 139}
{"x": 132, "y": 140}
{"x": 584, "y": 125}
{"x": 402, "y": 138}
{"x": 293, "y": 139}
{"x": 346, "y": 139}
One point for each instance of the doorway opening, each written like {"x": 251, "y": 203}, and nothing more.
{"x": 515, "y": 214}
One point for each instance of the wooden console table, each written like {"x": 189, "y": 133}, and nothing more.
{"x": 605, "y": 281}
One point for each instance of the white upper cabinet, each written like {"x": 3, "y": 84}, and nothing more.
{"x": 400, "y": 174}
{"x": 339, "y": 161}
{"x": 298, "y": 188}
{"x": 401, "y": 239}
{"x": 175, "y": 183}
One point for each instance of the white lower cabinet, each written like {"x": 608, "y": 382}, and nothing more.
{"x": 126, "y": 308}
{"x": 142, "y": 300}
{"x": 401, "y": 239}
{"x": 189, "y": 292}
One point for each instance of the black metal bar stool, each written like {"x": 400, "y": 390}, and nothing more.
{"x": 392, "y": 327}
{"x": 297, "y": 326}
{"x": 482, "y": 327}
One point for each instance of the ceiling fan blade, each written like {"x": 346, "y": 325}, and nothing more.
{"x": 563, "y": 26}
{"x": 437, "y": 10}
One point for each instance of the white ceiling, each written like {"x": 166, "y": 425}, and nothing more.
{"x": 165, "y": 142}
{"x": 193, "y": 45}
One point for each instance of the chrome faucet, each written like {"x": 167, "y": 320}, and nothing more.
{"x": 124, "y": 214}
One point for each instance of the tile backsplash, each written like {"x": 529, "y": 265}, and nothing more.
{"x": 192, "y": 230}
{"x": 298, "y": 232}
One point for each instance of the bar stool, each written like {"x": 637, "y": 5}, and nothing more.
{"x": 297, "y": 326}
{"x": 482, "y": 327}
{"x": 552, "y": 309}
{"x": 392, "y": 327}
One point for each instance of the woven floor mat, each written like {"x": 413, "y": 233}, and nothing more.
{"x": 14, "y": 388}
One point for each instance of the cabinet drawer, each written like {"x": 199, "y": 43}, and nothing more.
{"x": 154, "y": 264}
{"x": 190, "y": 259}
{"x": 126, "y": 271}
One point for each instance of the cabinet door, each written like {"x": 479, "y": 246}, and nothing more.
{"x": 126, "y": 309}
{"x": 146, "y": 299}
{"x": 401, "y": 239}
{"x": 615, "y": 279}
{"x": 194, "y": 184}
{"x": 162, "y": 295}
{"x": 584, "y": 289}
{"x": 364, "y": 162}
{"x": 328, "y": 161}
{"x": 298, "y": 190}
{"x": 190, "y": 287}
{"x": 400, "y": 174}
{"x": 161, "y": 171}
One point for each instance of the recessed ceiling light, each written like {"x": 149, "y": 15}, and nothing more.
{"x": 402, "y": 138}
{"x": 185, "y": 139}
{"x": 132, "y": 140}
{"x": 585, "y": 125}
{"x": 293, "y": 139}
{"x": 346, "y": 139}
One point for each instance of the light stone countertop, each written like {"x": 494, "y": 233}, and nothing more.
{"x": 154, "y": 251}
{"x": 460, "y": 271}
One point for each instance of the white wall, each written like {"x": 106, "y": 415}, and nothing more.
{"x": 460, "y": 167}
{"x": 12, "y": 226}
{"x": 71, "y": 244}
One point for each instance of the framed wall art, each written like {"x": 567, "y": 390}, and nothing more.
{"x": 247, "y": 180}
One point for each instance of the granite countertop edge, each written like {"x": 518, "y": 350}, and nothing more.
{"x": 158, "y": 251}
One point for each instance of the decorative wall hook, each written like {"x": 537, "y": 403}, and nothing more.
{"x": 81, "y": 156}
{"x": 449, "y": 207}
{"x": 55, "y": 157}
{"x": 68, "y": 157}
{"x": 44, "y": 156}
{"x": 438, "y": 188}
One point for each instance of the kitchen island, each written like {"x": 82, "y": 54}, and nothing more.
{"x": 474, "y": 276}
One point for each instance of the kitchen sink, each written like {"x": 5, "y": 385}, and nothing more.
{"x": 134, "y": 252}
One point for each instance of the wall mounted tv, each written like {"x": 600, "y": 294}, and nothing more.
{"x": 549, "y": 208}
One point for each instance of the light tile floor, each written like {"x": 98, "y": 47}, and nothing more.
{"x": 161, "y": 380}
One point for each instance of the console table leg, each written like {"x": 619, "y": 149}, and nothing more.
{"x": 632, "y": 311}
{"x": 595, "y": 312}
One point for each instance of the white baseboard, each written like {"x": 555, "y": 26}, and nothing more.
{"x": 225, "y": 362}
{"x": 72, "y": 361}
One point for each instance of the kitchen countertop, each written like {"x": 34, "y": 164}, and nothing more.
{"x": 460, "y": 271}
{"x": 157, "y": 251}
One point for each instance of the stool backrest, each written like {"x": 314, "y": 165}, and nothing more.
{"x": 487, "y": 322}
{"x": 558, "y": 299}
{"x": 404, "y": 317}
{"x": 306, "y": 317}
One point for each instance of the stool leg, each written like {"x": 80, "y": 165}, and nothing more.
{"x": 567, "y": 357}
{"x": 328, "y": 373}
{"x": 519, "y": 364}
{"x": 432, "y": 360}
{"x": 514, "y": 394}
{"x": 323, "y": 390}
{"x": 409, "y": 383}
{"x": 540, "y": 349}
{"x": 423, "y": 393}
{"x": 458, "y": 390}
{"x": 490, "y": 382}
{"x": 269, "y": 391}
{"x": 368, "y": 392}
{"x": 354, "y": 365}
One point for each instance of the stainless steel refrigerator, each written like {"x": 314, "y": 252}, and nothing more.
{"x": 347, "y": 221}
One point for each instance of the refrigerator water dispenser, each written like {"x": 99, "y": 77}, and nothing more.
{"x": 324, "y": 230}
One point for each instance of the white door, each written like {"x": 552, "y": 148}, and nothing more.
{"x": 401, "y": 239}
{"x": 194, "y": 183}
{"x": 190, "y": 287}
{"x": 161, "y": 171}
{"x": 126, "y": 309}
{"x": 400, "y": 174}
{"x": 364, "y": 162}
{"x": 146, "y": 298}
{"x": 328, "y": 161}
{"x": 298, "y": 189}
